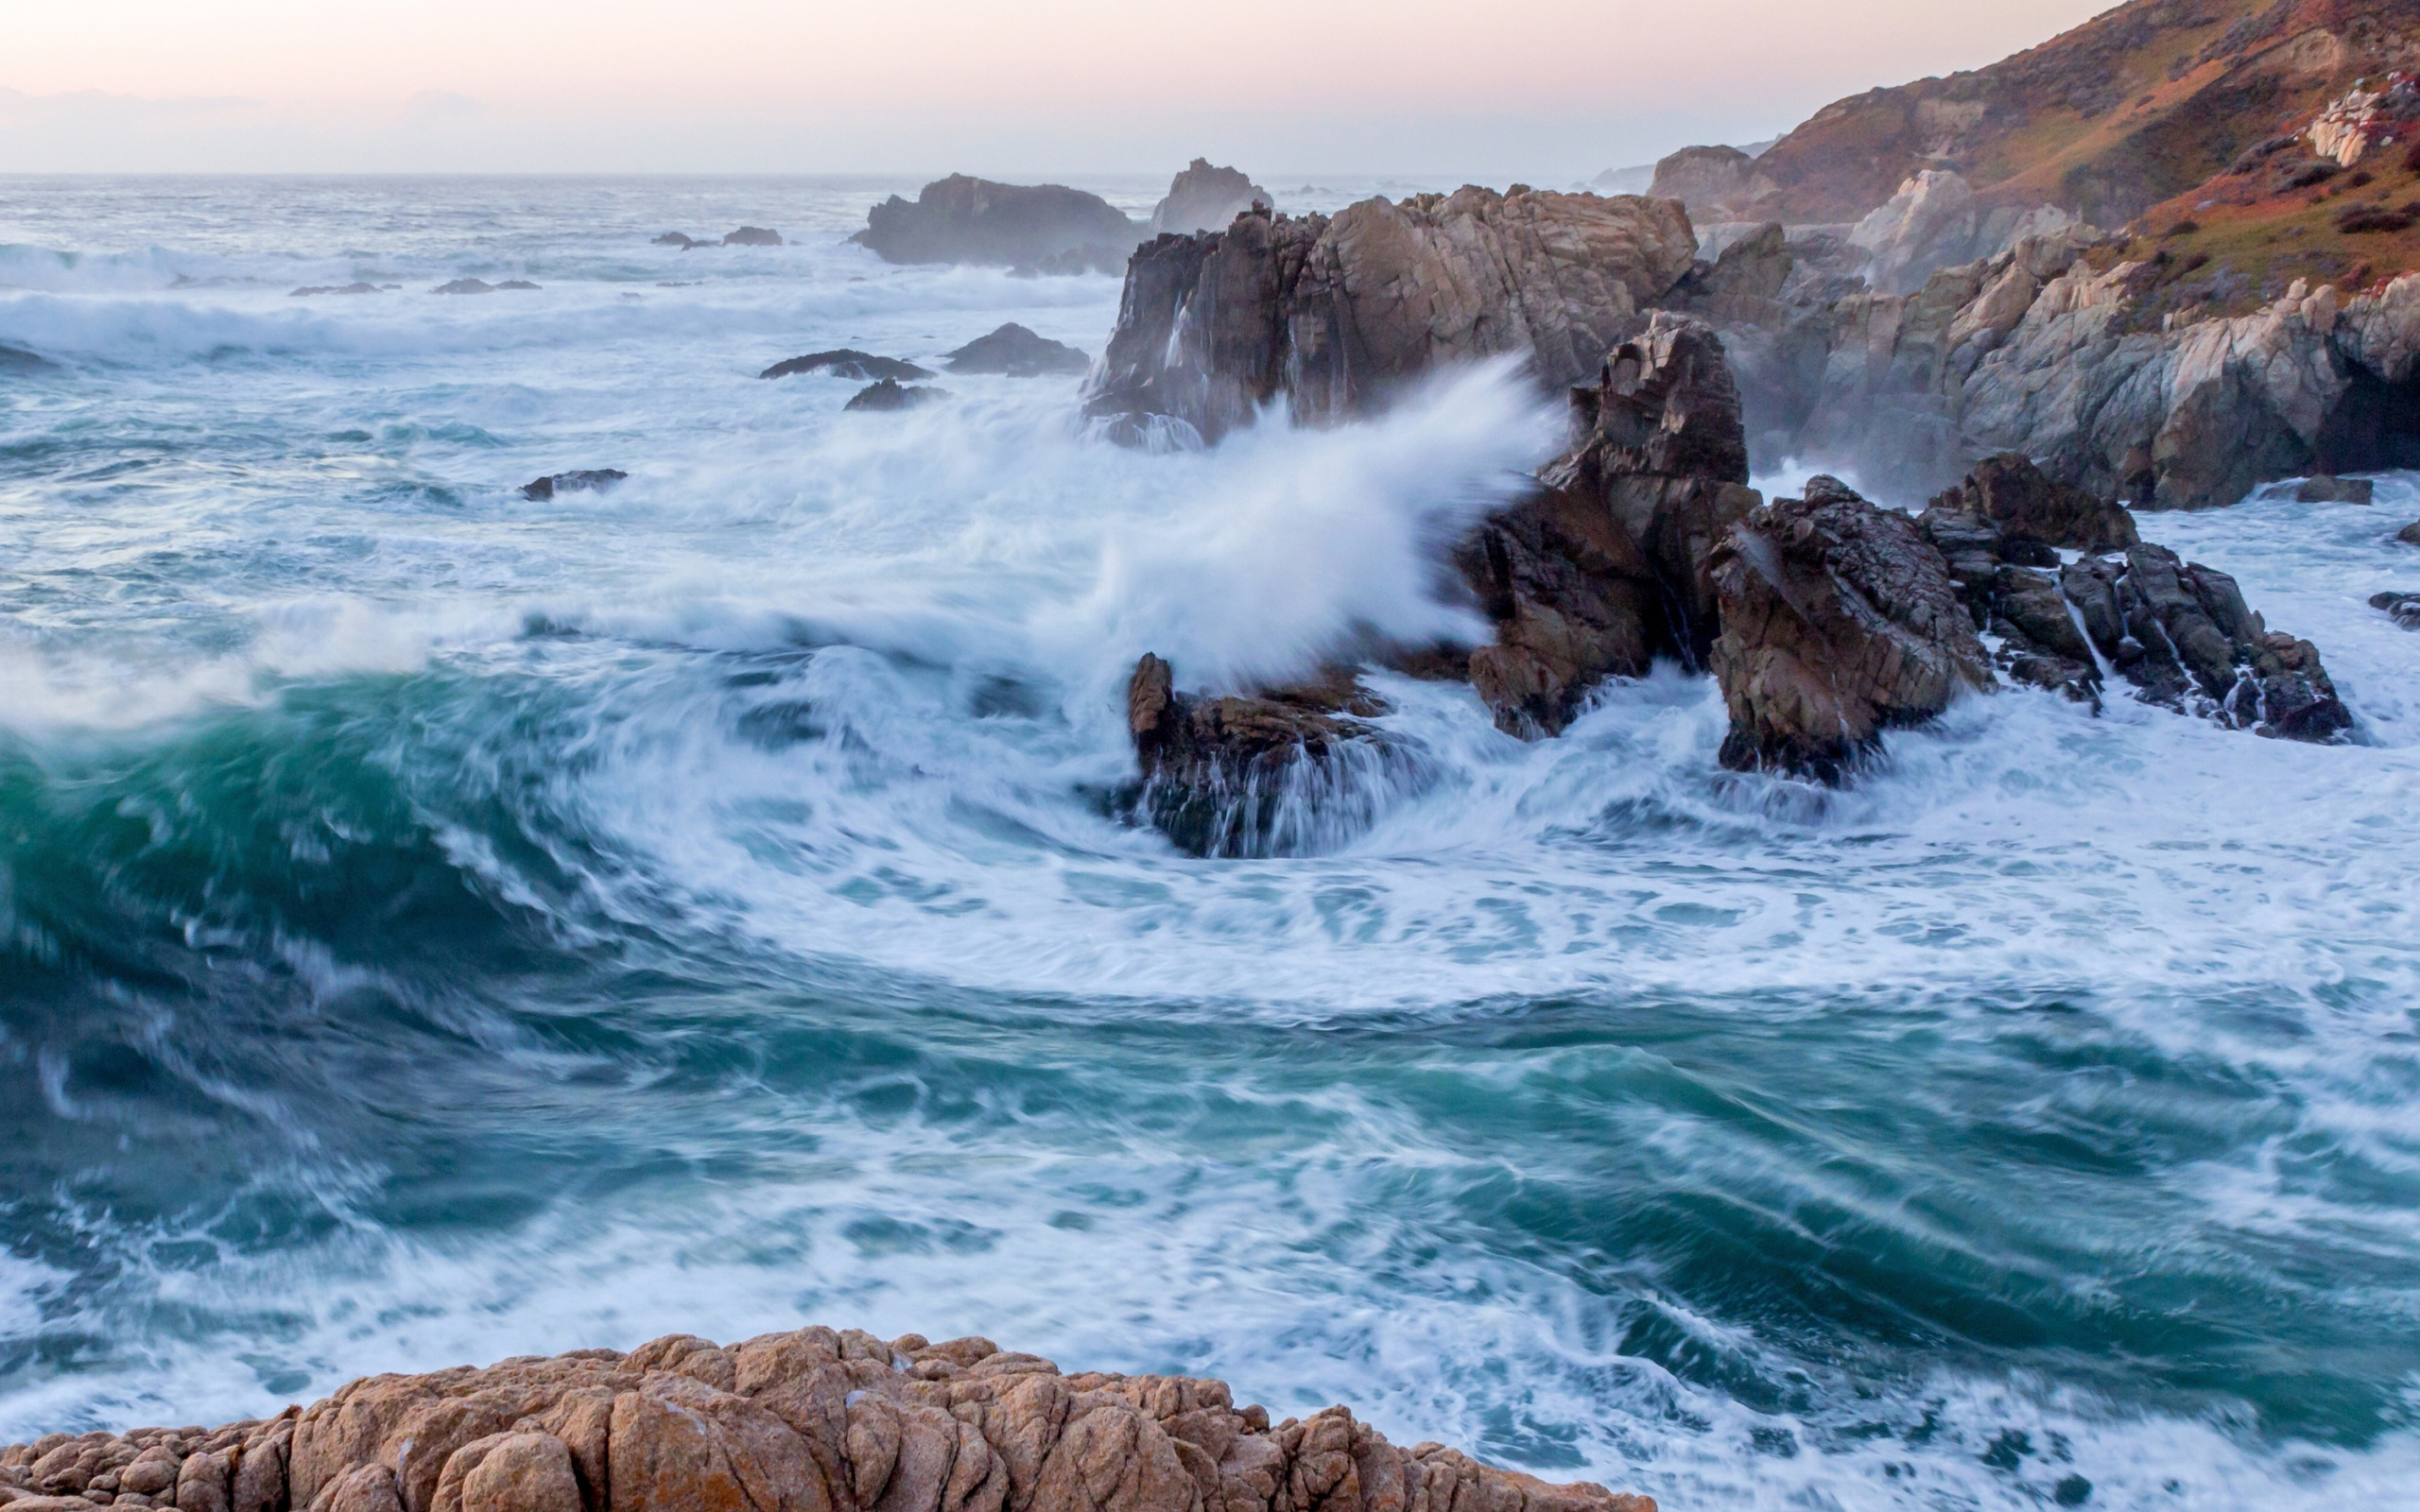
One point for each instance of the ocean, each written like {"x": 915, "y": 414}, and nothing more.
{"x": 442, "y": 925}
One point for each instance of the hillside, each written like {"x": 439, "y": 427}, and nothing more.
{"x": 2134, "y": 108}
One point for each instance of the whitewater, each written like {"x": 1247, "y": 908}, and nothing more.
{"x": 441, "y": 925}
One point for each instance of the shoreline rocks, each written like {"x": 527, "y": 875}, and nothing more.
{"x": 847, "y": 362}
{"x": 1016, "y": 353}
{"x": 960, "y": 219}
{"x": 888, "y": 394}
{"x": 813, "y": 1420}
{"x": 1337, "y": 315}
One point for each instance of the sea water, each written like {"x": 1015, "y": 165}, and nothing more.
{"x": 441, "y": 925}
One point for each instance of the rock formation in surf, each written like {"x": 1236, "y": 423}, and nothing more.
{"x": 584, "y": 480}
{"x": 1336, "y": 315}
{"x": 958, "y": 219}
{"x": 1839, "y": 621}
{"x": 752, "y": 236}
{"x": 1017, "y": 353}
{"x": 847, "y": 362}
{"x": 1205, "y": 199}
{"x": 888, "y": 394}
{"x": 2403, "y": 608}
{"x": 815, "y": 1420}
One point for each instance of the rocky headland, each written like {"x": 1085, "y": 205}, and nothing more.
{"x": 1045, "y": 228}
{"x": 814, "y": 1421}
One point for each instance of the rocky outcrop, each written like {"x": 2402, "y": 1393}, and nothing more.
{"x": 313, "y": 290}
{"x": 1205, "y": 199}
{"x": 847, "y": 362}
{"x": 815, "y": 1420}
{"x": 1839, "y": 621}
{"x": 889, "y": 394}
{"x": 752, "y": 236}
{"x": 1603, "y": 569}
{"x": 2403, "y": 608}
{"x": 464, "y": 285}
{"x": 1336, "y": 315}
{"x": 1937, "y": 222}
{"x": 1017, "y": 353}
{"x": 2327, "y": 490}
{"x": 1709, "y": 180}
{"x": 959, "y": 219}
{"x": 585, "y": 480}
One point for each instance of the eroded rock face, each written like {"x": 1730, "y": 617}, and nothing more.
{"x": 1337, "y": 315}
{"x": 1839, "y": 621}
{"x": 815, "y": 1420}
{"x": 960, "y": 219}
{"x": 1604, "y": 568}
{"x": 1206, "y": 199}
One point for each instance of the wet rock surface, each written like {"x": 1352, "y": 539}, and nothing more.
{"x": 889, "y": 394}
{"x": 1017, "y": 353}
{"x": 1839, "y": 621}
{"x": 2327, "y": 490}
{"x": 815, "y": 1420}
{"x": 961, "y": 219}
{"x": 1603, "y": 569}
{"x": 1339, "y": 314}
{"x": 2403, "y": 608}
{"x": 847, "y": 362}
{"x": 582, "y": 481}
{"x": 752, "y": 236}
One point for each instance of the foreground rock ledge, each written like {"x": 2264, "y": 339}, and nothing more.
{"x": 817, "y": 1420}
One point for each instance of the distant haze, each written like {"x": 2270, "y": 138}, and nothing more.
{"x": 1547, "y": 89}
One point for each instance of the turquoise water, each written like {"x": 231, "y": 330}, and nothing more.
{"x": 443, "y": 926}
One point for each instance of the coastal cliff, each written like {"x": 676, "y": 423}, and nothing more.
{"x": 815, "y": 1420}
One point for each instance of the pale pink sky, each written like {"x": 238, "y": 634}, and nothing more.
{"x": 1546, "y": 89}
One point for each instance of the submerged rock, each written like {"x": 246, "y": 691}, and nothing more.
{"x": 2403, "y": 608}
{"x": 857, "y": 366}
{"x": 1017, "y": 353}
{"x": 2325, "y": 490}
{"x": 752, "y": 236}
{"x": 516, "y": 286}
{"x": 1205, "y": 199}
{"x": 888, "y": 394}
{"x": 464, "y": 285}
{"x": 18, "y": 360}
{"x": 586, "y": 480}
{"x": 1839, "y": 621}
{"x": 680, "y": 239}
{"x": 1340, "y": 315}
{"x": 960, "y": 219}
{"x": 813, "y": 1420}
{"x": 313, "y": 290}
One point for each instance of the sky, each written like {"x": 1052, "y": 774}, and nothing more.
{"x": 1549, "y": 91}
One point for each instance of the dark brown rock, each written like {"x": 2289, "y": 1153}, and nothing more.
{"x": 1839, "y": 621}
{"x": 2325, "y": 490}
{"x": 585, "y": 480}
{"x": 2403, "y": 608}
{"x": 847, "y": 362}
{"x": 2410, "y": 535}
{"x": 2023, "y": 503}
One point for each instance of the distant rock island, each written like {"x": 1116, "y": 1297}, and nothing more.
{"x": 1048, "y": 228}
{"x": 1206, "y": 199}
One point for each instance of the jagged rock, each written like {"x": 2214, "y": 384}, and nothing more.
{"x": 814, "y": 1421}
{"x": 887, "y": 394}
{"x": 1017, "y": 353}
{"x": 1243, "y": 775}
{"x": 464, "y": 285}
{"x": 1205, "y": 199}
{"x": 1337, "y": 315}
{"x": 1839, "y": 621}
{"x": 1935, "y": 221}
{"x": 2403, "y": 608}
{"x": 752, "y": 236}
{"x": 1603, "y": 569}
{"x": 2020, "y": 503}
{"x": 857, "y": 366}
{"x": 582, "y": 481}
{"x": 2327, "y": 490}
{"x": 313, "y": 290}
{"x": 959, "y": 219}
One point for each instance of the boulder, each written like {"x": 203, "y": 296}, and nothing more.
{"x": 811, "y": 1421}
{"x": 888, "y": 394}
{"x": 464, "y": 285}
{"x": 2017, "y": 501}
{"x": 1018, "y": 353}
{"x": 1603, "y": 569}
{"x": 846, "y": 362}
{"x": 2403, "y": 608}
{"x": 586, "y": 480}
{"x": 959, "y": 219}
{"x": 2325, "y": 490}
{"x": 1337, "y": 315}
{"x": 1205, "y": 199}
{"x": 2410, "y": 535}
{"x": 1839, "y": 621}
{"x": 1248, "y": 774}
{"x": 752, "y": 236}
